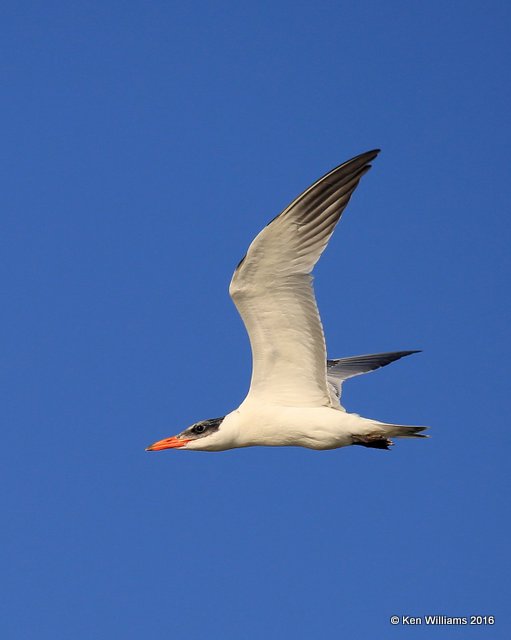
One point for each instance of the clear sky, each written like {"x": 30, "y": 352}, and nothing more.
{"x": 143, "y": 147}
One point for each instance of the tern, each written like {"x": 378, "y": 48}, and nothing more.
{"x": 294, "y": 397}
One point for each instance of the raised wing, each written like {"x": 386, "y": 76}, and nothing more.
{"x": 272, "y": 289}
{"x": 344, "y": 368}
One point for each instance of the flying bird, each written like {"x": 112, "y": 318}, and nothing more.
{"x": 295, "y": 391}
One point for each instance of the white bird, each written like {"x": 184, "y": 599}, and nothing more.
{"x": 294, "y": 395}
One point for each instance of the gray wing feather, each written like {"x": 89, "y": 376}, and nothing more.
{"x": 344, "y": 368}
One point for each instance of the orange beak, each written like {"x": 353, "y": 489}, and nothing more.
{"x": 168, "y": 443}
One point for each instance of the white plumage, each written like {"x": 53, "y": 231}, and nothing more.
{"x": 294, "y": 395}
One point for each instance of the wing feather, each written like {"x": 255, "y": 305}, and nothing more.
{"x": 343, "y": 368}
{"x": 272, "y": 290}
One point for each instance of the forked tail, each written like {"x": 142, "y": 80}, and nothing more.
{"x": 402, "y": 431}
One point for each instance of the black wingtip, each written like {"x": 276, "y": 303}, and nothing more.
{"x": 372, "y": 153}
{"x": 361, "y": 160}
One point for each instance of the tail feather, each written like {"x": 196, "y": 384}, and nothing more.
{"x": 402, "y": 431}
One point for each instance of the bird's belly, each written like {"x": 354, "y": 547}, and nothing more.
{"x": 311, "y": 427}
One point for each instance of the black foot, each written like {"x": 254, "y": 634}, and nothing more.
{"x": 374, "y": 441}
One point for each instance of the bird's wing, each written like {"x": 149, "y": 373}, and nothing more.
{"x": 272, "y": 289}
{"x": 344, "y": 368}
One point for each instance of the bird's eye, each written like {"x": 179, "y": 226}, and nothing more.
{"x": 199, "y": 428}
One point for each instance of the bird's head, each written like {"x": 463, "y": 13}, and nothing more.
{"x": 204, "y": 435}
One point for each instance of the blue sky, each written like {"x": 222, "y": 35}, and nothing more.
{"x": 143, "y": 146}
